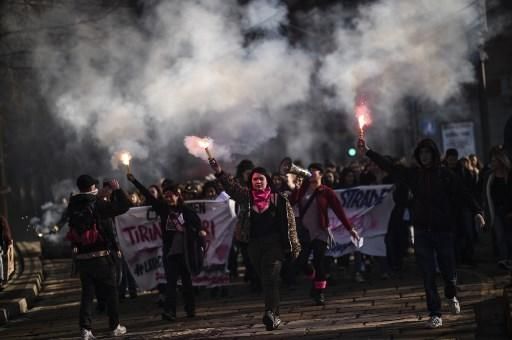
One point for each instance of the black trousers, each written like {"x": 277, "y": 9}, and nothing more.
{"x": 319, "y": 248}
{"x": 266, "y": 255}
{"x": 98, "y": 273}
{"x": 176, "y": 267}
{"x": 127, "y": 281}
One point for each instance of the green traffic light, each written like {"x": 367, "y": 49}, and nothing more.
{"x": 352, "y": 152}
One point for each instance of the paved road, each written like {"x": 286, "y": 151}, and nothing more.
{"x": 378, "y": 309}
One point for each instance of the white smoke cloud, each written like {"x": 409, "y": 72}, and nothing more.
{"x": 401, "y": 48}
{"x": 192, "y": 66}
{"x": 186, "y": 68}
{"x": 265, "y": 14}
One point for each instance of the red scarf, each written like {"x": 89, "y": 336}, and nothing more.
{"x": 261, "y": 199}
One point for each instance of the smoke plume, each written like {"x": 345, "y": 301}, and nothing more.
{"x": 396, "y": 49}
{"x": 188, "y": 68}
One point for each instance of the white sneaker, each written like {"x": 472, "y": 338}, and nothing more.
{"x": 86, "y": 334}
{"x": 119, "y": 331}
{"x": 454, "y": 305}
{"x": 434, "y": 322}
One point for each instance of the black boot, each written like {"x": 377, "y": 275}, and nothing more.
{"x": 191, "y": 312}
{"x": 268, "y": 320}
{"x": 190, "y": 305}
{"x": 318, "y": 296}
{"x": 169, "y": 316}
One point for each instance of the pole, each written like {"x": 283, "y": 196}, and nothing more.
{"x": 482, "y": 83}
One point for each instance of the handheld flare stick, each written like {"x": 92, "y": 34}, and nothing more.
{"x": 205, "y": 143}
{"x": 125, "y": 158}
{"x": 363, "y": 118}
{"x": 362, "y": 123}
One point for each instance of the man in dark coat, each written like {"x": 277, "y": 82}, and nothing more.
{"x": 92, "y": 244}
{"x": 436, "y": 191}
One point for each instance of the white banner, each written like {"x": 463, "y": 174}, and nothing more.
{"x": 140, "y": 239}
{"x": 368, "y": 208}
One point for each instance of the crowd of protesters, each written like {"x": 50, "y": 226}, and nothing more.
{"x": 440, "y": 203}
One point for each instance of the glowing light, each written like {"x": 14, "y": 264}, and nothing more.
{"x": 125, "y": 158}
{"x": 205, "y": 142}
{"x": 363, "y": 115}
{"x": 197, "y": 146}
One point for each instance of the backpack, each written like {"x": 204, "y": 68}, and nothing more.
{"x": 84, "y": 226}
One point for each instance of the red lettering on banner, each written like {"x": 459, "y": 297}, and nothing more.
{"x": 143, "y": 233}
{"x": 129, "y": 230}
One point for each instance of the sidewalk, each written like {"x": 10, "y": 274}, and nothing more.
{"x": 18, "y": 296}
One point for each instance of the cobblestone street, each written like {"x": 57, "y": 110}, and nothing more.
{"x": 376, "y": 309}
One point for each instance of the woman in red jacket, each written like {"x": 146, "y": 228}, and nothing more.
{"x": 314, "y": 199}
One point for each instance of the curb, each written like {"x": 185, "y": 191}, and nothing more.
{"x": 21, "y": 291}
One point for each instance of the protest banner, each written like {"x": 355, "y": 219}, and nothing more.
{"x": 140, "y": 238}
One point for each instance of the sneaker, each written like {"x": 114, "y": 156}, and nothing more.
{"x": 277, "y": 321}
{"x": 434, "y": 322}
{"x": 119, "y": 331}
{"x": 359, "y": 277}
{"x": 454, "y": 305}
{"x": 86, "y": 334}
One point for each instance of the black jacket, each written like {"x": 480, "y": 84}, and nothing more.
{"x": 194, "y": 244}
{"x": 106, "y": 211}
{"x": 437, "y": 191}
{"x": 284, "y": 217}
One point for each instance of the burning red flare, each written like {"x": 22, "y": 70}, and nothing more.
{"x": 363, "y": 117}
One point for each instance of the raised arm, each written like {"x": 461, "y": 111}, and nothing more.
{"x": 118, "y": 205}
{"x": 155, "y": 203}
{"x": 237, "y": 192}
{"x": 399, "y": 173}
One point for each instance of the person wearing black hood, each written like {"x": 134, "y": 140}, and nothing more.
{"x": 435, "y": 191}
{"x": 93, "y": 242}
{"x": 183, "y": 244}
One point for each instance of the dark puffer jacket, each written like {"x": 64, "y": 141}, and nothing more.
{"x": 437, "y": 191}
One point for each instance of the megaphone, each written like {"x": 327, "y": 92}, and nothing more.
{"x": 287, "y": 167}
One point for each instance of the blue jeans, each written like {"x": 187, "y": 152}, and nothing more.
{"x": 428, "y": 246}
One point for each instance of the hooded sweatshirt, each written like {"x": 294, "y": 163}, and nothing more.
{"x": 437, "y": 191}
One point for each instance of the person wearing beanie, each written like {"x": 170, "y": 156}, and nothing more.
{"x": 183, "y": 244}
{"x": 267, "y": 226}
{"x": 314, "y": 200}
